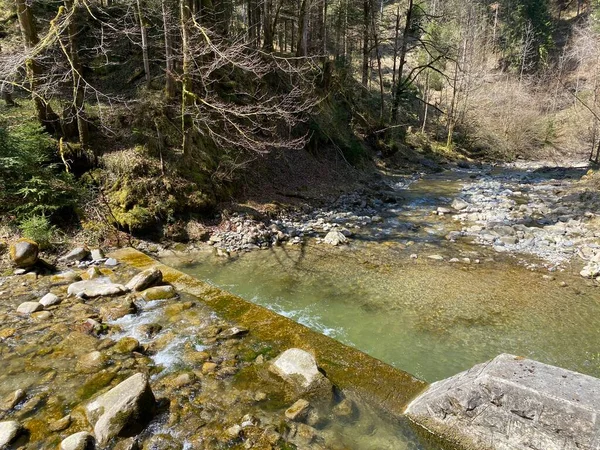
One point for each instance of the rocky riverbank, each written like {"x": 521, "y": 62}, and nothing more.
{"x": 542, "y": 217}
{"x": 99, "y": 355}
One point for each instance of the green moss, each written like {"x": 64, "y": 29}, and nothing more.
{"x": 94, "y": 384}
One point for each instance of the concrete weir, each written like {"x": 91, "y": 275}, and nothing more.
{"x": 512, "y": 403}
{"x": 506, "y": 403}
{"x": 376, "y": 382}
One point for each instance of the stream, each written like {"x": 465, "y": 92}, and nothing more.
{"x": 451, "y": 271}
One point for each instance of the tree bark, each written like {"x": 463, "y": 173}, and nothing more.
{"x": 365, "y": 43}
{"x": 187, "y": 85}
{"x": 403, "y": 50}
{"x": 45, "y": 114}
{"x": 78, "y": 82}
{"x": 169, "y": 65}
{"x": 144, "y": 33}
{"x": 302, "y": 29}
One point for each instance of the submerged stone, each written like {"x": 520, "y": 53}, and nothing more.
{"x": 126, "y": 408}
{"x": 159, "y": 293}
{"x": 512, "y": 403}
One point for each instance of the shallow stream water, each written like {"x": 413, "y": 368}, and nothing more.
{"x": 433, "y": 318}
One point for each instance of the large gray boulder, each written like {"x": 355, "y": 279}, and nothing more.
{"x": 512, "y": 403}
{"x": 145, "y": 279}
{"x": 98, "y": 287}
{"x": 123, "y": 410}
{"x": 78, "y": 441}
{"x": 24, "y": 253}
{"x": 299, "y": 369}
{"x": 8, "y": 432}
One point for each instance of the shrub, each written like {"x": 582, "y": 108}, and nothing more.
{"x": 39, "y": 229}
{"x": 30, "y": 180}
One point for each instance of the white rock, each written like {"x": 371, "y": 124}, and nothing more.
{"x": 8, "y": 432}
{"x": 299, "y": 369}
{"x": 96, "y": 288}
{"x": 127, "y": 406}
{"x": 97, "y": 254}
{"x": 49, "y": 299}
{"x": 111, "y": 262}
{"x": 335, "y": 238}
{"x": 78, "y": 441}
{"x": 77, "y": 254}
{"x": 29, "y": 307}
{"x": 145, "y": 279}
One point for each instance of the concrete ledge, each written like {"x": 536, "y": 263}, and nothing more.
{"x": 513, "y": 403}
{"x": 346, "y": 367}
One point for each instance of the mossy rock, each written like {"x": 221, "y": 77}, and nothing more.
{"x": 24, "y": 253}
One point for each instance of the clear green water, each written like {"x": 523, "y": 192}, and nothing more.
{"x": 432, "y": 319}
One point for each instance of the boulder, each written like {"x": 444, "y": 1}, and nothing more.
{"x": 145, "y": 279}
{"x": 77, "y": 254}
{"x": 24, "y": 253}
{"x": 49, "y": 300}
{"x": 512, "y": 403}
{"x": 29, "y": 308}
{"x": 335, "y": 238}
{"x": 159, "y": 293}
{"x": 98, "y": 287}
{"x": 122, "y": 411}
{"x": 8, "y": 432}
{"x": 299, "y": 369}
{"x": 78, "y": 441}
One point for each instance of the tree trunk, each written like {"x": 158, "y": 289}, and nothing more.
{"x": 186, "y": 85}
{"x": 378, "y": 55}
{"x": 78, "y": 82}
{"x": 403, "y": 50}
{"x": 302, "y": 29}
{"x": 169, "y": 65}
{"x": 365, "y": 43}
{"x": 144, "y": 33}
{"x": 45, "y": 114}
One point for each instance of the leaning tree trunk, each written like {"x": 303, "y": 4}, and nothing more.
{"x": 30, "y": 39}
